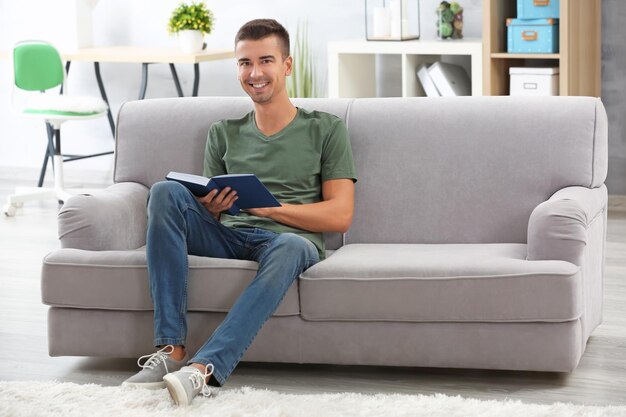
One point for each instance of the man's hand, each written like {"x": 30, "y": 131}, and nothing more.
{"x": 217, "y": 203}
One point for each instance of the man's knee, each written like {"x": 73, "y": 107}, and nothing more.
{"x": 292, "y": 244}
{"x": 165, "y": 192}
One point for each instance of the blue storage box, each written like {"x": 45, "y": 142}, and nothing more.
{"x": 537, "y": 9}
{"x": 536, "y": 36}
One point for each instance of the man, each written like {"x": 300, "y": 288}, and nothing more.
{"x": 305, "y": 160}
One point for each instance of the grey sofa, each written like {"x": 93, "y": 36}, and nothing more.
{"x": 477, "y": 241}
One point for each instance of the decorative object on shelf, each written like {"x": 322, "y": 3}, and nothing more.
{"x": 427, "y": 82}
{"x": 579, "y": 33}
{"x": 532, "y": 36}
{"x": 303, "y": 79}
{"x": 191, "y": 22}
{"x": 538, "y": 9}
{"x": 449, "y": 20}
{"x": 527, "y": 81}
{"x": 392, "y": 20}
{"x": 450, "y": 80}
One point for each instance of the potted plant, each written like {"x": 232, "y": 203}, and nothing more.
{"x": 191, "y": 22}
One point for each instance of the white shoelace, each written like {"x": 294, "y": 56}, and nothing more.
{"x": 198, "y": 379}
{"x": 153, "y": 359}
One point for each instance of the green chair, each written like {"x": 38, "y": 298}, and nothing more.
{"x": 37, "y": 67}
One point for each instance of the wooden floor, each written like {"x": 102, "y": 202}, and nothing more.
{"x": 600, "y": 379}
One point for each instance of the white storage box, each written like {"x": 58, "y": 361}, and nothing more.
{"x": 534, "y": 81}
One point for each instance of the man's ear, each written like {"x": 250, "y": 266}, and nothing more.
{"x": 289, "y": 64}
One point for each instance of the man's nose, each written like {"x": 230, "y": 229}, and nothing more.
{"x": 256, "y": 71}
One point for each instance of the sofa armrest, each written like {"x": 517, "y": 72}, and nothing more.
{"x": 557, "y": 228}
{"x": 113, "y": 219}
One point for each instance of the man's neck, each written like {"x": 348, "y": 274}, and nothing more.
{"x": 274, "y": 116}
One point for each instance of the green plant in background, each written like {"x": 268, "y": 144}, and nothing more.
{"x": 302, "y": 82}
{"x": 194, "y": 16}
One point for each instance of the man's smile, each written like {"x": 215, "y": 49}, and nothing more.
{"x": 258, "y": 86}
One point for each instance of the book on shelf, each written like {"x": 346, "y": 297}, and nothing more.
{"x": 427, "y": 83}
{"x": 450, "y": 79}
{"x": 250, "y": 190}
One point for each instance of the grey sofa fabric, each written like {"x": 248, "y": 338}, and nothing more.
{"x": 111, "y": 220}
{"x": 477, "y": 240}
{"x": 118, "y": 280}
{"x": 554, "y": 347}
{"x": 460, "y": 283}
{"x": 557, "y": 228}
{"x": 472, "y": 180}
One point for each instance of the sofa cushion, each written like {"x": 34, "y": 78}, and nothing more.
{"x": 447, "y": 282}
{"x": 118, "y": 280}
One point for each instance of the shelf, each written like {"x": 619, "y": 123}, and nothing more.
{"x": 352, "y": 64}
{"x": 578, "y": 60}
{"x": 506, "y": 55}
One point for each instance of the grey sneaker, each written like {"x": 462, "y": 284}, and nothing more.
{"x": 155, "y": 367}
{"x": 185, "y": 384}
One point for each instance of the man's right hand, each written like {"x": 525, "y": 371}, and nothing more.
{"x": 217, "y": 203}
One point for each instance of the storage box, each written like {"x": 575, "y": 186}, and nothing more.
{"x": 540, "y": 36}
{"x": 537, "y": 9}
{"x": 534, "y": 81}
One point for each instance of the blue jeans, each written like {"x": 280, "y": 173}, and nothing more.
{"x": 179, "y": 225}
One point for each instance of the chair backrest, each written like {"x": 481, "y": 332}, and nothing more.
{"x": 37, "y": 66}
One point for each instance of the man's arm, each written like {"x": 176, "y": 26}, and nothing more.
{"x": 333, "y": 214}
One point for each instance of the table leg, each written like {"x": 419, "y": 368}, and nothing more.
{"x": 96, "y": 66}
{"x": 196, "y": 79}
{"x": 176, "y": 80}
{"x": 144, "y": 80}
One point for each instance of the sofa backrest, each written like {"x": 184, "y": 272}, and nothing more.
{"x": 161, "y": 135}
{"x": 468, "y": 169}
{"x": 442, "y": 170}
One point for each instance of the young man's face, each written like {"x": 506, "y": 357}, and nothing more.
{"x": 262, "y": 69}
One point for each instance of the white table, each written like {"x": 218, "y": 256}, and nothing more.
{"x": 145, "y": 56}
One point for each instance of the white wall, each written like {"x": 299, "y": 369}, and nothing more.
{"x": 143, "y": 22}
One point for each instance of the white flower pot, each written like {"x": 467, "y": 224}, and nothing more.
{"x": 191, "y": 41}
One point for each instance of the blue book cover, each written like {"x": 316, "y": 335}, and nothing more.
{"x": 250, "y": 190}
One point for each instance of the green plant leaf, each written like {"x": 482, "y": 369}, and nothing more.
{"x": 194, "y": 16}
{"x": 302, "y": 82}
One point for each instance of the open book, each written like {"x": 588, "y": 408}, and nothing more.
{"x": 251, "y": 192}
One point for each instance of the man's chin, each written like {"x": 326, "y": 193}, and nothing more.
{"x": 260, "y": 98}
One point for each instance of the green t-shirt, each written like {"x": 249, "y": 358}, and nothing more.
{"x": 292, "y": 163}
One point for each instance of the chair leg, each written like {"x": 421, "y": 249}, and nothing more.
{"x": 44, "y": 166}
{"x": 59, "y": 183}
{"x": 17, "y": 200}
{"x": 47, "y": 155}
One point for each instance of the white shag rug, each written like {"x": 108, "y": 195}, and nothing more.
{"x": 47, "y": 399}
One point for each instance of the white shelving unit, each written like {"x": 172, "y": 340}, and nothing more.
{"x": 352, "y": 64}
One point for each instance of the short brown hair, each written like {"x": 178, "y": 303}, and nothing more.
{"x": 260, "y": 28}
